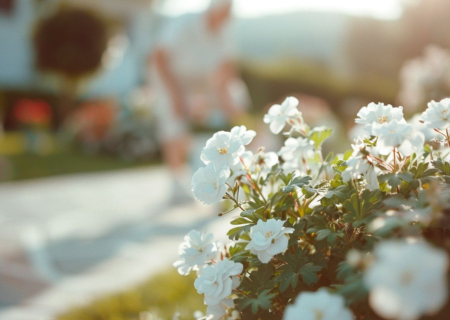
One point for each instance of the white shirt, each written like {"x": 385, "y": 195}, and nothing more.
{"x": 195, "y": 52}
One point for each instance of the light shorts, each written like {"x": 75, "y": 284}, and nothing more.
{"x": 169, "y": 126}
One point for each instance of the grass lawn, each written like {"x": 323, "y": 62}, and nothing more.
{"x": 17, "y": 164}
{"x": 30, "y": 166}
{"x": 161, "y": 297}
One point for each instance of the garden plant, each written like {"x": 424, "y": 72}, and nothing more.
{"x": 359, "y": 235}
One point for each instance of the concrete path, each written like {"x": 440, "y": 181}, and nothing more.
{"x": 67, "y": 240}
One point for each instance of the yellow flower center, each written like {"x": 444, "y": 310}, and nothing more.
{"x": 269, "y": 234}
{"x": 222, "y": 150}
{"x": 318, "y": 314}
{"x": 382, "y": 119}
{"x": 200, "y": 249}
{"x": 215, "y": 186}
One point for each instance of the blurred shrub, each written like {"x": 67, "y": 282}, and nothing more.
{"x": 71, "y": 42}
{"x": 161, "y": 296}
{"x": 30, "y": 112}
{"x": 269, "y": 82}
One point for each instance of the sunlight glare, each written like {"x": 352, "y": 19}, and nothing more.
{"x": 382, "y": 9}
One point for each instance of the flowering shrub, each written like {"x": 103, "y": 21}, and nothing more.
{"x": 32, "y": 113}
{"x": 425, "y": 78}
{"x": 360, "y": 235}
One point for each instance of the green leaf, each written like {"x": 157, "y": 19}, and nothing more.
{"x": 322, "y": 234}
{"x": 238, "y": 252}
{"x": 296, "y": 182}
{"x": 371, "y": 142}
{"x": 336, "y": 195}
{"x": 422, "y": 171}
{"x": 235, "y": 233}
{"x": 396, "y": 180}
{"x": 406, "y": 176}
{"x": 347, "y": 154}
{"x": 359, "y": 206}
{"x": 443, "y": 167}
{"x": 253, "y": 214}
{"x": 344, "y": 270}
{"x": 309, "y": 273}
{"x": 299, "y": 230}
{"x": 240, "y": 221}
{"x": 259, "y": 279}
{"x": 308, "y": 191}
{"x": 298, "y": 265}
{"x": 319, "y": 135}
{"x": 340, "y": 192}
{"x": 263, "y": 301}
{"x": 316, "y": 222}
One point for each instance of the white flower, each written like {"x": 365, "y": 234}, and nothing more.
{"x": 224, "y": 148}
{"x": 218, "y": 280}
{"x": 378, "y": 113}
{"x": 437, "y": 115}
{"x": 297, "y": 122}
{"x": 208, "y": 183}
{"x": 295, "y": 166}
{"x": 267, "y": 159}
{"x": 240, "y": 168}
{"x": 414, "y": 143}
{"x": 197, "y": 249}
{"x": 296, "y": 148}
{"x": 243, "y": 135}
{"x": 320, "y": 305}
{"x": 268, "y": 238}
{"x": 357, "y": 166}
{"x": 393, "y": 133}
{"x": 223, "y": 310}
{"x": 354, "y": 257}
{"x": 423, "y": 215}
{"x": 429, "y": 133}
{"x": 407, "y": 280}
{"x": 248, "y": 162}
{"x": 278, "y": 115}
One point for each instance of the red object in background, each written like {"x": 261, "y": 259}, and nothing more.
{"x": 93, "y": 119}
{"x": 32, "y": 112}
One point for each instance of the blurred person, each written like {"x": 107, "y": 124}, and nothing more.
{"x": 193, "y": 75}
{"x": 424, "y": 78}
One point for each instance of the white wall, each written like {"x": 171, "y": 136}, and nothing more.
{"x": 15, "y": 48}
{"x": 16, "y": 55}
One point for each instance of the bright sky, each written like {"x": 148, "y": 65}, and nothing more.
{"x": 383, "y": 9}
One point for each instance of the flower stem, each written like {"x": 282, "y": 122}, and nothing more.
{"x": 395, "y": 157}
{"x": 296, "y": 205}
{"x": 448, "y": 137}
{"x": 280, "y": 302}
{"x": 242, "y": 292}
{"x": 278, "y": 311}
{"x": 229, "y": 197}
{"x": 256, "y": 188}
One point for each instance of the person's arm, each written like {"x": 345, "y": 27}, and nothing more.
{"x": 226, "y": 74}
{"x": 162, "y": 64}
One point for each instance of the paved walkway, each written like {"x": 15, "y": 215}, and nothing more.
{"x": 67, "y": 240}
